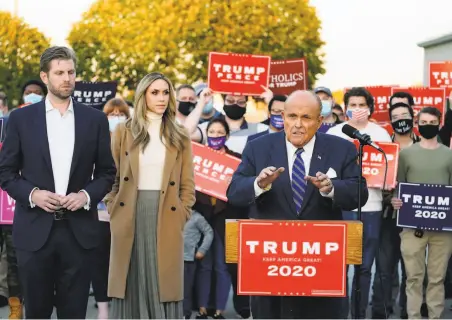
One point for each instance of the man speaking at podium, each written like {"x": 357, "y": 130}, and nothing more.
{"x": 298, "y": 174}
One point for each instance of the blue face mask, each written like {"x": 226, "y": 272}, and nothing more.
{"x": 114, "y": 121}
{"x": 208, "y": 108}
{"x": 277, "y": 121}
{"x": 32, "y": 98}
{"x": 326, "y": 108}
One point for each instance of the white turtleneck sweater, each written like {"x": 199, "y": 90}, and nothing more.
{"x": 152, "y": 160}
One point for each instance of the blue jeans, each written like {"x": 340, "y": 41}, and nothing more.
{"x": 213, "y": 260}
{"x": 371, "y": 235}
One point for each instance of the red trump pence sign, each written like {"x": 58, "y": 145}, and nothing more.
{"x": 440, "y": 75}
{"x": 213, "y": 170}
{"x": 239, "y": 74}
{"x": 426, "y": 97}
{"x": 374, "y": 164}
{"x": 292, "y": 258}
{"x": 286, "y": 76}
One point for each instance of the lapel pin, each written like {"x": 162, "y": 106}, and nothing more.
{"x": 319, "y": 157}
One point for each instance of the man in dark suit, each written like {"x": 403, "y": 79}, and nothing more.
{"x": 298, "y": 174}
{"x": 56, "y": 163}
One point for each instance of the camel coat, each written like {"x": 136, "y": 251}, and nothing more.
{"x": 177, "y": 196}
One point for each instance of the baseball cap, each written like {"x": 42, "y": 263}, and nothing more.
{"x": 323, "y": 89}
{"x": 199, "y": 88}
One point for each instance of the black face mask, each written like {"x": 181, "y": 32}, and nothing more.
{"x": 185, "y": 107}
{"x": 234, "y": 111}
{"x": 402, "y": 126}
{"x": 429, "y": 131}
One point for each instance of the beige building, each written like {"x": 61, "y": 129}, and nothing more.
{"x": 437, "y": 49}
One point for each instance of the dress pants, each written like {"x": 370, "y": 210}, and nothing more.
{"x": 57, "y": 275}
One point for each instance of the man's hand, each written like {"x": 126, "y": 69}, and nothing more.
{"x": 267, "y": 176}
{"x": 74, "y": 201}
{"x": 205, "y": 96}
{"x": 396, "y": 203}
{"x": 321, "y": 182}
{"x": 46, "y": 200}
{"x": 267, "y": 95}
{"x": 199, "y": 255}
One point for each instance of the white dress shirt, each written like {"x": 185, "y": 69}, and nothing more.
{"x": 306, "y": 155}
{"x": 61, "y": 137}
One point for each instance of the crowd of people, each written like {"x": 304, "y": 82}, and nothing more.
{"x": 160, "y": 253}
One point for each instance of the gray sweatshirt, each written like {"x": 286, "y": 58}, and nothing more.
{"x": 194, "y": 227}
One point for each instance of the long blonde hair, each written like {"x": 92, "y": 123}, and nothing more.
{"x": 171, "y": 133}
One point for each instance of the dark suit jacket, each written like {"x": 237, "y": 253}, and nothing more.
{"x": 25, "y": 164}
{"x": 277, "y": 203}
{"x": 257, "y": 135}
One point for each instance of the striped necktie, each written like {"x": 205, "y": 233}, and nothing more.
{"x": 298, "y": 182}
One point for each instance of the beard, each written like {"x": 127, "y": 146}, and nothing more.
{"x": 61, "y": 94}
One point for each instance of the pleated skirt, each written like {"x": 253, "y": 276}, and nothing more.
{"x": 142, "y": 288}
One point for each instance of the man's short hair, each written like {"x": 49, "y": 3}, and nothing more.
{"x": 430, "y": 110}
{"x": 402, "y": 95}
{"x": 360, "y": 92}
{"x": 56, "y": 53}
{"x": 279, "y": 98}
{"x": 184, "y": 86}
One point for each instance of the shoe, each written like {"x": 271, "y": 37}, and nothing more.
{"x": 3, "y": 301}
{"x": 218, "y": 316}
{"x": 15, "y": 308}
{"x": 201, "y": 316}
{"x": 424, "y": 310}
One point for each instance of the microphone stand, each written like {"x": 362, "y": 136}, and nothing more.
{"x": 358, "y": 266}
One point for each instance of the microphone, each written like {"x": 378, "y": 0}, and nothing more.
{"x": 354, "y": 133}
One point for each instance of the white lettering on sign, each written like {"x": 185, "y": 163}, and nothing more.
{"x": 291, "y": 271}
{"x": 443, "y": 76}
{"x": 382, "y": 100}
{"x": 430, "y": 214}
{"x": 307, "y": 248}
{"x": 238, "y": 72}
{"x": 418, "y": 199}
{"x": 374, "y": 157}
{"x": 427, "y": 101}
{"x": 277, "y": 78}
{"x": 208, "y": 167}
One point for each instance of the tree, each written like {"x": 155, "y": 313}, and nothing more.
{"x": 123, "y": 40}
{"x": 20, "y": 49}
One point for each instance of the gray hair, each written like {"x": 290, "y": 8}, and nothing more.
{"x": 56, "y": 53}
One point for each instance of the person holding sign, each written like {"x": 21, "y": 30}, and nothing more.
{"x": 427, "y": 162}
{"x": 216, "y": 212}
{"x": 360, "y": 106}
{"x": 298, "y": 174}
{"x": 149, "y": 205}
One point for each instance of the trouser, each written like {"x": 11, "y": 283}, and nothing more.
{"x": 387, "y": 262}
{"x": 241, "y": 303}
{"x": 371, "y": 233}
{"x": 3, "y": 272}
{"x": 189, "y": 280}
{"x": 214, "y": 260}
{"x": 101, "y": 264}
{"x": 413, "y": 249}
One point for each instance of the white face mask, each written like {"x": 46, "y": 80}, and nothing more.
{"x": 113, "y": 121}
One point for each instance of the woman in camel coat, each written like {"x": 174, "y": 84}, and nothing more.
{"x": 149, "y": 204}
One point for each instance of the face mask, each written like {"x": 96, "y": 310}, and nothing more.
{"x": 32, "y": 98}
{"x": 429, "y": 131}
{"x": 326, "y": 108}
{"x": 234, "y": 111}
{"x": 277, "y": 121}
{"x": 216, "y": 143}
{"x": 114, "y": 121}
{"x": 208, "y": 108}
{"x": 185, "y": 107}
{"x": 402, "y": 126}
{"x": 1, "y": 114}
{"x": 358, "y": 114}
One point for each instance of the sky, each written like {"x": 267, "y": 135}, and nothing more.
{"x": 368, "y": 42}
